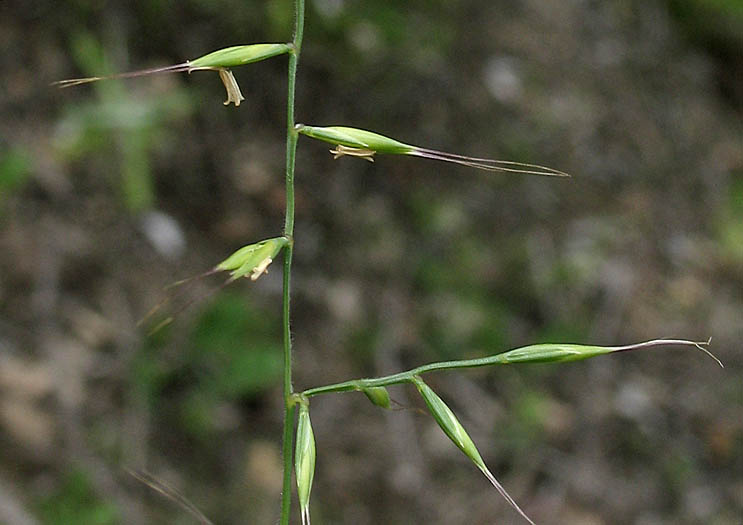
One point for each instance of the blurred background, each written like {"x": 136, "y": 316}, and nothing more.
{"x": 110, "y": 192}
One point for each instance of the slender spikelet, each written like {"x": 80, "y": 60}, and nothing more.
{"x": 220, "y": 61}
{"x": 356, "y": 138}
{"x": 252, "y": 260}
{"x": 239, "y": 55}
{"x": 454, "y": 429}
{"x": 364, "y": 144}
{"x": 552, "y": 353}
{"x": 304, "y": 461}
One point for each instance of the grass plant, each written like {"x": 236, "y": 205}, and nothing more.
{"x": 252, "y": 260}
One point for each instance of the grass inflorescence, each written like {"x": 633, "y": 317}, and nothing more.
{"x": 252, "y": 261}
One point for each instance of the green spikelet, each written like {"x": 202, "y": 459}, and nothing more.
{"x": 304, "y": 461}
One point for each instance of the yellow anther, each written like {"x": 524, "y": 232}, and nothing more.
{"x": 260, "y": 269}
{"x": 341, "y": 151}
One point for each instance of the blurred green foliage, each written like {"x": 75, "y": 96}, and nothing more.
{"x": 233, "y": 353}
{"x": 717, "y": 20}
{"x": 236, "y": 347}
{"x": 526, "y": 421}
{"x": 75, "y": 501}
{"x": 730, "y": 225}
{"x": 128, "y": 125}
{"x": 15, "y": 168}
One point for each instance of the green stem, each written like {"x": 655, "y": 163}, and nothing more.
{"x": 291, "y": 149}
{"x": 541, "y": 353}
{"x": 396, "y": 379}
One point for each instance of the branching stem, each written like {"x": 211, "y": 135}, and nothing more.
{"x": 534, "y": 354}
